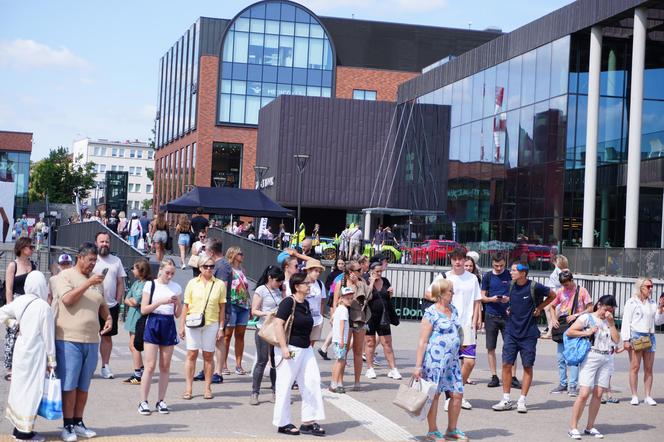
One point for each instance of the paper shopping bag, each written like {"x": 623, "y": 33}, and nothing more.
{"x": 50, "y": 406}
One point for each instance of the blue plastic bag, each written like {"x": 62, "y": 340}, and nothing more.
{"x": 576, "y": 349}
{"x": 50, "y": 406}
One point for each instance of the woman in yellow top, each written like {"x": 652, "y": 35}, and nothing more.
{"x": 204, "y": 294}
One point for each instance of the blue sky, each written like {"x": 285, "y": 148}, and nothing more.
{"x": 74, "y": 68}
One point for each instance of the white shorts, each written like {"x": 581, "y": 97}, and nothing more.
{"x": 202, "y": 338}
{"x": 595, "y": 370}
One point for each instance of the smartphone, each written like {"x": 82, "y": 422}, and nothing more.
{"x": 499, "y": 296}
{"x": 104, "y": 272}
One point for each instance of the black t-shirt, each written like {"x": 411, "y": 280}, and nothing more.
{"x": 112, "y": 223}
{"x": 199, "y": 223}
{"x": 378, "y": 300}
{"x": 303, "y": 322}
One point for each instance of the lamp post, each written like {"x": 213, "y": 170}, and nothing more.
{"x": 260, "y": 171}
{"x": 300, "y": 162}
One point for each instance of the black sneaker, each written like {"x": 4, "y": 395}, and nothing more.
{"x": 133, "y": 380}
{"x": 515, "y": 383}
{"x": 200, "y": 376}
{"x": 323, "y": 354}
{"x": 494, "y": 382}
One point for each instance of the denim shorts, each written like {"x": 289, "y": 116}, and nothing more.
{"x": 160, "y": 236}
{"x": 652, "y": 349}
{"x": 77, "y": 363}
{"x": 160, "y": 330}
{"x": 238, "y": 316}
{"x": 183, "y": 239}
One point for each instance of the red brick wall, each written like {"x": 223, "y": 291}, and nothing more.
{"x": 384, "y": 82}
{"x": 16, "y": 141}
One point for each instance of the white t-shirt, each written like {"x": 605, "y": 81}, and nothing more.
{"x": 340, "y": 314}
{"x": 315, "y": 298}
{"x": 115, "y": 271}
{"x": 438, "y": 277}
{"x": 466, "y": 292}
{"x": 603, "y": 341}
{"x": 161, "y": 292}
{"x": 135, "y": 227}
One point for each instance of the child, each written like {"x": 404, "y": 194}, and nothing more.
{"x": 340, "y": 339}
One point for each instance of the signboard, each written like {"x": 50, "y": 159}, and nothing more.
{"x": 116, "y": 191}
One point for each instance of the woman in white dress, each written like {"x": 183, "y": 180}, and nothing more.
{"x": 34, "y": 351}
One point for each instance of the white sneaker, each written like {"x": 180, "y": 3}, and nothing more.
{"x": 594, "y": 432}
{"x": 465, "y": 404}
{"x": 503, "y": 405}
{"x": 370, "y": 374}
{"x": 68, "y": 434}
{"x": 81, "y": 430}
{"x": 144, "y": 409}
{"x": 574, "y": 434}
{"x": 447, "y": 404}
{"x": 106, "y": 372}
{"x": 162, "y": 408}
{"x": 635, "y": 400}
{"x": 521, "y": 407}
{"x": 394, "y": 374}
{"x": 650, "y": 401}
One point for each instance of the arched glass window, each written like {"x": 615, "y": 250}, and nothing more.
{"x": 272, "y": 48}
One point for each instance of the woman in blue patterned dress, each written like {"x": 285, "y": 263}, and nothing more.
{"x": 438, "y": 359}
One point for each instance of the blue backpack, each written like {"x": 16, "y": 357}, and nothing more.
{"x": 576, "y": 349}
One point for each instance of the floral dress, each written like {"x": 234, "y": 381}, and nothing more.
{"x": 441, "y": 358}
{"x": 239, "y": 289}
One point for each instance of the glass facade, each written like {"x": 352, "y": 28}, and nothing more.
{"x": 507, "y": 148}
{"x": 15, "y": 167}
{"x": 272, "y": 48}
{"x": 178, "y": 84}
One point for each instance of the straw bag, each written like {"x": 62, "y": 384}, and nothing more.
{"x": 269, "y": 330}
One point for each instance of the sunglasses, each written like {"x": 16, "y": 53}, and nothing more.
{"x": 648, "y": 286}
{"x": 356, "y": 270}
{"x": 207, "y": 266}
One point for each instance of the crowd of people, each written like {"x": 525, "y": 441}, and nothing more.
{"x": 68, "y": 324}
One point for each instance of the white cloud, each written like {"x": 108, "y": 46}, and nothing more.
{"x": 29, "y": 54}
{"x": 375, "y": 6}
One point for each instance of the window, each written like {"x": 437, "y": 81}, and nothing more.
{"x": 272, "y": 49}
{"x": 100, "y": 151}
{"x": 115, "y": 168}
{"x": 132, "y": 153}
{"x": 361, "y": 94}
{"x": 137, "y": 187}
{"x": 150, "y": 154}
{"x": 101, "y": 168}
{"x": 139, "y": 153}
{"x": 148, "y": 188}
{"x": 114, "y": 152}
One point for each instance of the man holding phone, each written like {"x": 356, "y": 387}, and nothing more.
{"x": 495, "y": 295}
{"x": 110, "y": 267}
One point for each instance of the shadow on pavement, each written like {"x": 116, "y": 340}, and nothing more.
{"x": 487, "y": 433}
{"x": 610, "y": 429}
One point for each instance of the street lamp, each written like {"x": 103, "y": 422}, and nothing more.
{"x": 301, "y": 162}
{"x": 260, "y": 171}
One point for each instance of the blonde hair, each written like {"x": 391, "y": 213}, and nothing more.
{"x": 562, "y": 262}
{"x": 203, "y": 259}
{"x": 440, "y": 286}
{"x": 165, "y": 263}
{"x": 232, "y": 252}
{"x": 638, "y": 285}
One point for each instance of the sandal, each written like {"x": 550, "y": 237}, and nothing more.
{"x": 289, "y": 429}
{"x": 240, "y": 371}
{"x": 225, "y": 372}
{"x": 187, "y": 396}
{"x": 313, "y": 429}
{"x": 456, "y": 434}
{"x": 434, "y": 436}
{"x": 207, "y": 395}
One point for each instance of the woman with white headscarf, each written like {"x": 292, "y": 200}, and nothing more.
{"x": 33, "y": 353}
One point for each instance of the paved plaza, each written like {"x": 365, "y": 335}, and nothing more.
{"x": 365, "y": 415}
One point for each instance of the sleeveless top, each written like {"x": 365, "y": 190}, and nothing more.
{"x": 19, "y": 281}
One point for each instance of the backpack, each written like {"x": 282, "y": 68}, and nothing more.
{"x": 576, "y": 349}
{"x": 532, "y": 293}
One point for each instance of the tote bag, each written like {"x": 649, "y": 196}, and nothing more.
{"x": 50, "y": 406}
{"x": 269, "y": 330}
{"x": 413, "y": 396}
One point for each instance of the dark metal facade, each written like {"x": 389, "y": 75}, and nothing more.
{"x": 572, "y": 18}
{"x": 362, "y": 153}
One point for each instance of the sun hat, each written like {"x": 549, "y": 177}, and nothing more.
{"x": 313, "y": 264}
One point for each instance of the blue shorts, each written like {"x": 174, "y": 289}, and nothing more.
{"x": 526, "y": 346}
{"x": 652, "y": 339}
{"x": 237, "y": 316}
{"x": 183, "y": 239}
{"x": 77, "y": 363}
{"x": 339, "y": 351}
{"x": 161, "y": 330}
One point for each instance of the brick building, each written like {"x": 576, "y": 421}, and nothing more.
{"x": 220, "y": 73}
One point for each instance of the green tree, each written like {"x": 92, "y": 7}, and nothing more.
{"x": 146, "y": 204}
{"x": 58, "y": 175}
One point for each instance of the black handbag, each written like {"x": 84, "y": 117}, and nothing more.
{"x": 563, "y": 325}
{"x": 140, "y": 326}
{"x": 389, "y": 316}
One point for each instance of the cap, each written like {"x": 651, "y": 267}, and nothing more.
{"x": 64, "y": 258}
{"x": 133, "y": 214}
{"x": 347, "y": 291}
{"x": 314, "y": 264}
{"x": 473, "y": 255}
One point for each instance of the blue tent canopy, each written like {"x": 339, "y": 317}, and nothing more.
{"x": 227, "y": 201}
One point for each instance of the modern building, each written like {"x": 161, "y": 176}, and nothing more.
{"x": 15, "y": 149}
{"x": 220, "y": 73}
{"x": 134, "y": 157}
{"x": 556, "y": 128}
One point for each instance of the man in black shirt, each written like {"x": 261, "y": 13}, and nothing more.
{"x": 113, "y": 221}
{"x": 199, "y": 222}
